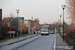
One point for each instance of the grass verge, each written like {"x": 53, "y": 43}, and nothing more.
{"x": 70, "y": 41}
{"x": 25, "y": 34}
{"x": 3, "y": 40}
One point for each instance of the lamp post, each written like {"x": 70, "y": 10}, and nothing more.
{"x": 63, "y": 7}
{"x": 29, "y": 26}
{"x": 60, "y": 23}
{"x": 32, "y": 24}
{"x": 34, "y": 29}
{"x": 17, "y": 20}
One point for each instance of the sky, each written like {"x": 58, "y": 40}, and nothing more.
{"x": 45, "y": 10}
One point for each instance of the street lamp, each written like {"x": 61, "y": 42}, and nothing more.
{"x": 32, "y": 24}
{"x": 60, "y": 23}
{"x": 63, "y": 7}
{"x": 17, "y": 20}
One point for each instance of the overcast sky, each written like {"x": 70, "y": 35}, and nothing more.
{"x": 45, "y": 10}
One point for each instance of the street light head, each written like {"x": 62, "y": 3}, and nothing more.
{"x": 63, "y": 6}
{"x": 17, "y": 10}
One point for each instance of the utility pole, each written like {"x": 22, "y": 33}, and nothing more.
{"x": 17, "y": 21}
{"x": 63, "y": 7}
{"x": 60, "y": 24}
{"x": 0, "y": 23}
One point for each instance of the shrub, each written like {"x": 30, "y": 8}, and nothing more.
{"x": 72, "y": 34}
{"x": 70, "y": 29}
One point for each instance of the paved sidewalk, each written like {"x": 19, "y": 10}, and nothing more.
{"x": 11, "y": 41}
{"x": 60, "y": 44}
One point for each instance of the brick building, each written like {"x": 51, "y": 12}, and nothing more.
{"x": 32, "y": 25}
{"x": 36, "y": 25}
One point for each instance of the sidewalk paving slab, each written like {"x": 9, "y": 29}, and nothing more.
{"x": 11, "y": 41}
{"x": 60, "y": 44}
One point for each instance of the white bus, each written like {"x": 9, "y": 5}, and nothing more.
{"x": 45, "y": 29}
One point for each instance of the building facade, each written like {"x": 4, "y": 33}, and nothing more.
{"x": 36, "y": 25}
{"x": 32, "y": 25}
{"x": 20, "y": 24}
{"x": 29, "y": 25}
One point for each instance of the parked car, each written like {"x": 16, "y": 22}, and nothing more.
{"x": 39, "y": 32}
{"x": 35, "y": 32}
{"x": 50, "y": 32}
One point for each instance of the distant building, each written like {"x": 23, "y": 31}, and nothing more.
{"x": 36, "y": 25}
{"x": 20, "y": 23}
{"x": 29, "y": 25}
{"x": 32, "y": 25}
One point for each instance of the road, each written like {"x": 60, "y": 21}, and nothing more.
{"x": 40, "y": 42}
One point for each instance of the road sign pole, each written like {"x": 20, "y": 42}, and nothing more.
{"x": 12, "y": 32}
{"x": 13, "y": 35}
{"x": 55, "y": 30}
{"x": 17, "y": 34}
{"x": 10, "y": 35}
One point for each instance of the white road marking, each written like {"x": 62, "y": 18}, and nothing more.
{"x": 55, "y": 43}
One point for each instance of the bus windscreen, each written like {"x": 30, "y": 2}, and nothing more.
{"x": 44, "y": 29}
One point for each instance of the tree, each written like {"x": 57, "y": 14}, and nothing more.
{"x": 70, "y": 29}
{"x": 71, "y": 9}
{"x": 24, "y": 29}
{"x": 13, "y": 22}
{"x": 5, "y": 22}
{"x": 11, "y": 14}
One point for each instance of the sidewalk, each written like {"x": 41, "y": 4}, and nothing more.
{"x": 11, "y": 41}
{"x": 60, "y": 44}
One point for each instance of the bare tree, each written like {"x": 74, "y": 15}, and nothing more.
{"x": 11, "y": 14}
{"x": 71, "y": 9}
{"x": 13, "y": 21}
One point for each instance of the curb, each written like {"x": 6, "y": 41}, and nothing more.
{"x": 55, "y": 43}
{"x": 22, "y": 39}
{"x": 19, "y": 40}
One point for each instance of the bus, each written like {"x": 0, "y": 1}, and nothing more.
{"x": 44, "y": 29}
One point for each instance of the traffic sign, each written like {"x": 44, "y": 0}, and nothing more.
{"x": 11, "y": 31}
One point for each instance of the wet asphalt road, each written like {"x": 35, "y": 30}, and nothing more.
{"x": 40, "y": 42}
